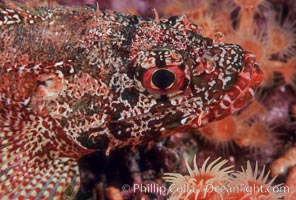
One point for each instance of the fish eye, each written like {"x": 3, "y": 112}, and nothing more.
{"x": 163, "y": 78}
{"x": 163, "y": 81}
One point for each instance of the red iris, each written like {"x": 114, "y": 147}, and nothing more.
{"x": 163, "y": 80}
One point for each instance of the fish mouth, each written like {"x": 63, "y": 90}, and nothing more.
{"x": 242, "y": 92}
{"x": 257, "y": 74}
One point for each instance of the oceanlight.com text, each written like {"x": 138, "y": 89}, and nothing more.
{"x": 208, "y": 188}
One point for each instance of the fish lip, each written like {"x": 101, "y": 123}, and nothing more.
{"x": 249, "y": 54}
{"x": 253, "y": 76}
{"x": 257, "y": 73}
{"x": 249, "y": 59}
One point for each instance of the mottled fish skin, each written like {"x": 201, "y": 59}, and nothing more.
{"x": 75, "y": 80}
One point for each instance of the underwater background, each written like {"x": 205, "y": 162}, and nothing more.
{"x": 263, "y": 133}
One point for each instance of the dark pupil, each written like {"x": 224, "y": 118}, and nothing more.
{"x": 163, "y": 78}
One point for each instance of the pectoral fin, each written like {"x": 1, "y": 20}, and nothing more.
{"x": 37, "y": 160}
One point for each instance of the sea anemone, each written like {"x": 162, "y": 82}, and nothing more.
{"x": 222, "y": 16}
{"x": 255, "y": 137}
{"x": 248, "y": 8}
{"x": 200, "y": 13}
{"x": 237, "y": 128}
{"x": 249, "y": 185}
{"x": 193, "y": 8}
{"x": 256, "y": 134}
{"x": 254, "y": 40}
{"x": 282, "y": 164}
{"x": 250, "y": 4}
{"x": 291, "y": 185}
{"x": 253, "y": 109}
{"x": 113, "y": 193}
{"x": 213, "y": 181}
{"x": 222, "y": 132}
{"x": 196, "y": 184}
{"x": 207, "y": 22}
{"x": 281, "y": 36}
{"x": 287, "y": 71}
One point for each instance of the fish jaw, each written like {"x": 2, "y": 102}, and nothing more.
{"x": 239, "y": 96}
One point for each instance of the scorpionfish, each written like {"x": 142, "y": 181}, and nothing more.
{"x": 74, "y": 80}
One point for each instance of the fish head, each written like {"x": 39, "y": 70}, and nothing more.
{"x": 175, "y": 80}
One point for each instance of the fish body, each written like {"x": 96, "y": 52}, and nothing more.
{"x": 76, "y": 80}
